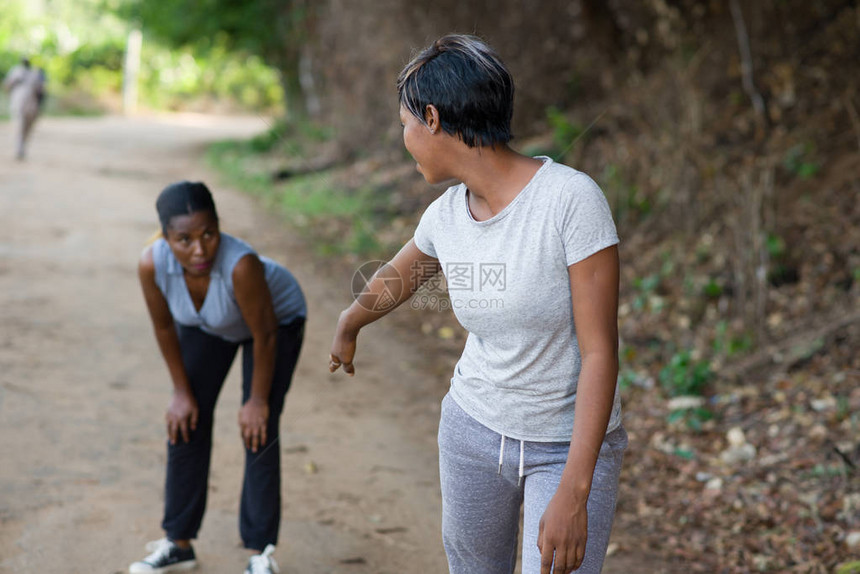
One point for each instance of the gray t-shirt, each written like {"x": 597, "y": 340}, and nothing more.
{"x": 510, "y": 289}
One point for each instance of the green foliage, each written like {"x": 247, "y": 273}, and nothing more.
{"x": 646, "y": 290}
{"x": 272, "y": 31}
{"x": 684, "y": 453}
{"x": 338, "y": 219}
{"x": 703, "y": 252}
{"x": 626, "y": 379}
{"x": 729, "y": 344}
{"x": 287, "y": 138}
{"x": 169, "y": 79}
{"x": 779, "y": 270}
{"x": 362, "y": 239}
{"x": 824, "y": 471}
{"x": 647, "y": 284}
{"x": 269, "y": 139}
{"x": 564, "y": 132}
{"x": 107, "y": 55}
{"x": 712, "y": 289}
{"x": 694, "y": 419}
{"x": 775, "y": 246}
{"x": 625, "y": 198}
{"x": 801, "y": 161}
{"x": 843, "y": 408}
{"x": 81, "y": 46}
{"x": 315, "y": 196}
{"x": 75, "y": 43}
{"x": 683, "y": 376}
{"x": 251, "y": 27}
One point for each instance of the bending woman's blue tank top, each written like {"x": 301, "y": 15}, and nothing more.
{"x": 220, "y": 314}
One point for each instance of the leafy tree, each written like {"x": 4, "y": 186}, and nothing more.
{"x": 274, "y": 30}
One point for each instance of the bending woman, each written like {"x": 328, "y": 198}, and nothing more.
{"x": 528, "y": 249}
{"x": 208, "y": 294}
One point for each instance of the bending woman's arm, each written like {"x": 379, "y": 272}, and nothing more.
{"x": 182, "y": 412}
{"x": 594, "y": 292}
{"x": 412, "y": 268}
{"x": 255, "y": 302}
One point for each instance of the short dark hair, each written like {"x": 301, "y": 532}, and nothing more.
{"x": 468, "y": 83}
{"x": 183, "y": 198}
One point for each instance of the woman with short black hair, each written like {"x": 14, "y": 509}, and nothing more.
{"x": 528, "y": 249}
{"x": 209, "y": 293}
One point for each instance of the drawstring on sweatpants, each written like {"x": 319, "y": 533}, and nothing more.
{"x": 522, "y": 450}
{"x": 522, "y": 459}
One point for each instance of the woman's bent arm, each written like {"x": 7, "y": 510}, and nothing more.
{"x": 409, "y": 269}
{"x": 255, "y": 302}
{"x": 182, "y": 412}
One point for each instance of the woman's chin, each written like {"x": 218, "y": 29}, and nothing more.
{"x": 435, "y": 179}
{"x": 430, "y": 178}
{"x": 198, "y": 271}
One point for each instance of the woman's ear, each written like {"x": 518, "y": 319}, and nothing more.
{"x": 431, "y": 118}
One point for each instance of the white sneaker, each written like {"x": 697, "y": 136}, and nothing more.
{"x": 165, "y": 557}
{"x": 263, "y": 563}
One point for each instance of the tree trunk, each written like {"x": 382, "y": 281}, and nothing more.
{"x": 295, "y": 24}
{"x": 602, "y": 26}
{"x": 295, "y": 105}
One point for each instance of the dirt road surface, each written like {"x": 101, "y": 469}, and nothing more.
{"x": 83, "y": 387}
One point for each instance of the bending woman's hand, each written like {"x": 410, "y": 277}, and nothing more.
{"x": 181, "y": 416}
{"x": 563, "y": 534}
{"x": 343, "y": 347}
{"x": 253, "y": 417}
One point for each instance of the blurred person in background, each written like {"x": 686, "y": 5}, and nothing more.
{"x": 26, "y": 87}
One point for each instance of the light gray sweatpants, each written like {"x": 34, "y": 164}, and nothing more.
{"x": 481, "y": 507}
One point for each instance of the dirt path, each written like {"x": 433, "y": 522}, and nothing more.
{"x": 83, "y": 388}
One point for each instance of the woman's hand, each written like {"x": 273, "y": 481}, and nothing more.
{"x": 563, "y": 533}
{"x": 409, "y": 263}
{"x": 181, "y": 416}
{"x": 343, "y": 346}
{"x": 253, "y": 417}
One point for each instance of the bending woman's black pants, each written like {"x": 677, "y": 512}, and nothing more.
{"x": 207, "y": 360}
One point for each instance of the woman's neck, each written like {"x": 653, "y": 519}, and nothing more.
{"x": 494, "y": 177}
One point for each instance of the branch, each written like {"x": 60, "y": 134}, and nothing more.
{"x": 746, "y": 60}
{"x": 786, "y": 350}
{"x": 852, "y": 111}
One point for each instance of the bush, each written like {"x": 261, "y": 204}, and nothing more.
{"x": 682, "y": 376}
